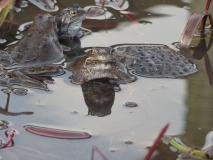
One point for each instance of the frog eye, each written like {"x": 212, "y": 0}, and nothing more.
{"x": 94, "y": 51}
{"x": 73, "y": 13}
{"x": 112, "y": 50}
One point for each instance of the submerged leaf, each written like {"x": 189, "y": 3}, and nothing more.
{"x": 56, "y": 133}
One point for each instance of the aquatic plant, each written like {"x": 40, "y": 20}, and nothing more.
{"x": 195, "y": 21}
{"x": 10, "y": 142}
{"x": 189, "y": 151}
{"x": 5, "y": 6}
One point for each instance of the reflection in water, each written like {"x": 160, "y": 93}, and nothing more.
{"x": 117, "y": 5}
{"x": 5, "y": 111}
{"x": 208, "y": 69}
{"x": 75, "y": 45}
{"x": 45, "y": 5}
{"x": 199, "y": 101}
{"x": 201, "y": 52}
{"x": 202, "y": 48}
{"x": 141, "y": 7}
{"x": 99, "y": 96}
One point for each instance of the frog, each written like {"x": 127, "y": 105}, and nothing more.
{"x": 41, "y": 43}
{"x": 39, "y": 46}
{"x": 69, "y": 21}
{"x": 98, "y": 63}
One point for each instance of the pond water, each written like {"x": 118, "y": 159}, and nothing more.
{"x": 126, "y": 133}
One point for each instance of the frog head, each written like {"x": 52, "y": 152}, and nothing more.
{"x": 69, "y": 20}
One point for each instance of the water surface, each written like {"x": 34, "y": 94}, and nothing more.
{"x": 183, "y": 102}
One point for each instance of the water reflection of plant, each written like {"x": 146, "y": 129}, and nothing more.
{"x": 200, "y": 51}
{"x": 5, "y": 111}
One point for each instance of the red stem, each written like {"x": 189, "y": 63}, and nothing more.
{"x": 208, "y": 4}
{"x": 9, "y": 137}
{"x": 157, "y": 141}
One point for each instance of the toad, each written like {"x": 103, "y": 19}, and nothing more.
{"x": 96, "y": 64}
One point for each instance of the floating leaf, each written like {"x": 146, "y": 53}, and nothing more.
{"x": 56, "y": 133}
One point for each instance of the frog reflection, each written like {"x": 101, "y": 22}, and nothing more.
{"x": 99, "y": 96}
{"x": 75, "y": 44}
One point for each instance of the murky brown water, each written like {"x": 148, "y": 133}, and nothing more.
{"x": 186, "y": 103}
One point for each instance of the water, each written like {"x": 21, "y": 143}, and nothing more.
{"x": 186, "y": 103}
